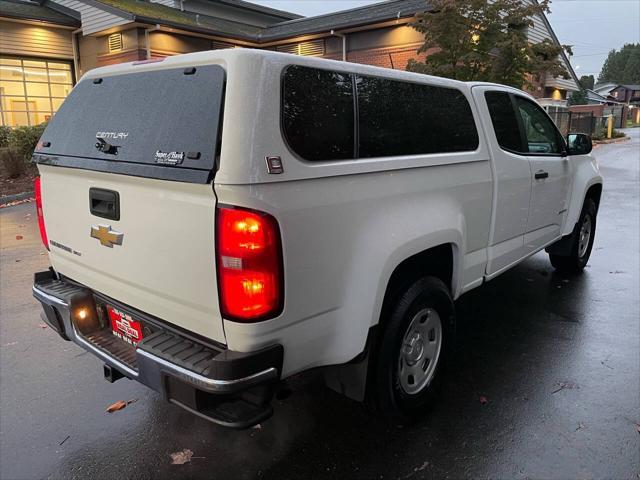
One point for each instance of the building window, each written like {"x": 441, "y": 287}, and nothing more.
{"x": 115, "y": 42}
{"x": 32, "y": 90}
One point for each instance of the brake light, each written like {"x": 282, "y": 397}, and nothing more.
{"x": 43, "y": 229}
{"x": 249, "y": 258}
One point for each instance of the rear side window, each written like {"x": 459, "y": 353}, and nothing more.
{"x": 402, "y": 118}
{"x": 318, "y": 113}
{"x": 504, "y": 120}
{"x": 324, "y": 119}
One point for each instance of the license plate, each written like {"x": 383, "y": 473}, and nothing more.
{"x": 124, "y": 326}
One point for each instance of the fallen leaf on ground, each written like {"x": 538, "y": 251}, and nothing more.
{"x": 114, "y": 407}
{"x": 17, "y": 202}
{"x": 119, "y": 405}
{"x": 180, "y": 458}
{"x": 42, "y": 325}
{"x": 563, "y": 386}
{"x": 483, "y": 400}
{"x": 19, "y": 237}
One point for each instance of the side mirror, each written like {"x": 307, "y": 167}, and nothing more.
{"x": 579, "y": 144}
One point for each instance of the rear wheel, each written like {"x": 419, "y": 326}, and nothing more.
{"x": 412, "y": 350}
{"x": 582, "y": 242}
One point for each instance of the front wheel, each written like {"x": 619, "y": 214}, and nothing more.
{"x": 415, "y": 341}
{"x": 582, "y": 242}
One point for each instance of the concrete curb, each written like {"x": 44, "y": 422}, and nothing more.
{"x": 610, "y": 141}
{"x": 15, "y": 198}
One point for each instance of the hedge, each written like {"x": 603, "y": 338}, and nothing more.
{"x": 17, "y": 145}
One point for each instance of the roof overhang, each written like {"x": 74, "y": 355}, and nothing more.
{"x": 250, "y": 44}
{"x": 37, "y": 23}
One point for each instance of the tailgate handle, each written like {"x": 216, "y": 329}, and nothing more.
{"x": 104, "y": 203}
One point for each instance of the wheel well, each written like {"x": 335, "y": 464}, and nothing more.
{"x": 436, "y": 261}
{"x": 594, "y": 193}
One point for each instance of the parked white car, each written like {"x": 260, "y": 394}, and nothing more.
{"x": 222, "y": 220}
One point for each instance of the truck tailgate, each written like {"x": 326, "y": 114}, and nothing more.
{"x": 165, "y": 265}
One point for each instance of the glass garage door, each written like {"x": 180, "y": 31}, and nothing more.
{"x": 32, "y": 90}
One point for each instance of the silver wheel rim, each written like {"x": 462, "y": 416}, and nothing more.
{"x": 420, "y": 351}
{"x": 585, "y": 236}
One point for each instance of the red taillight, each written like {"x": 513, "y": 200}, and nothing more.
{"x": 38, "y": 193}
{"x": 249, "y": 260}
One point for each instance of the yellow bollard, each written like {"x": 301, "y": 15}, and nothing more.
{"x": 610, "y": 126}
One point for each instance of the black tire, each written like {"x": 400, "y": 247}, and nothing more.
{"x": 575, "y": 261}
{"x": 385, "y": 392}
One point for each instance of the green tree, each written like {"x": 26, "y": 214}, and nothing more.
{"x": 578, "y": 98}
{"x": 485, "y": 41}
{"x": 622, "y": 66}
{"x": 587, "y": 81}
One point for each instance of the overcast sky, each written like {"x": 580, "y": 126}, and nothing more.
{"x": 593, "y": 27}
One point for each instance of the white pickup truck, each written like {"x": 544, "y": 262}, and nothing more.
{"x": 219, "y": 221}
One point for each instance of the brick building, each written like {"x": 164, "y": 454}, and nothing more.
{"x": 46, "y": 45}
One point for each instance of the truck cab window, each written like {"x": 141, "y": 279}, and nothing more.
{"x": 540, "y": 132}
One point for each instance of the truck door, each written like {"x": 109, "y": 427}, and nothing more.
{"x": 550, "y": 170}
{"x": 512, "y": 177}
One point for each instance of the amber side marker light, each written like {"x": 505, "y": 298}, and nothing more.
{"x": 37, "y": 188}
{"x": 249, "y": 260}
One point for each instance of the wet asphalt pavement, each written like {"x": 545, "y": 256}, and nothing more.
{"x": 557, "y": 358}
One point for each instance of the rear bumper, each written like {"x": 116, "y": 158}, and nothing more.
{"x": 228, "y": 388}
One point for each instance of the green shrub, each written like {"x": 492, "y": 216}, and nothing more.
{"x": 12, "y": 162}
{"x": 25, "y": 139}
{"x": 617, "y": 134}
{"x": 5, "y": 132}
{"x": 602, "y": 134}
{"x": 599, "y": 134}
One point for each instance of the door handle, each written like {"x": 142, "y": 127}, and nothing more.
{"x": 540, "y": 174}
{"x": 104, "y": 203}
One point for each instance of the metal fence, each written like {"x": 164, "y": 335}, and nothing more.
{"x": 578, "y": 122}
{"x": 619, "y": 120}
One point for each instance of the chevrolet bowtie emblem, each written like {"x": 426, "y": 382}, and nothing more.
{"x": 107, "y": 237}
